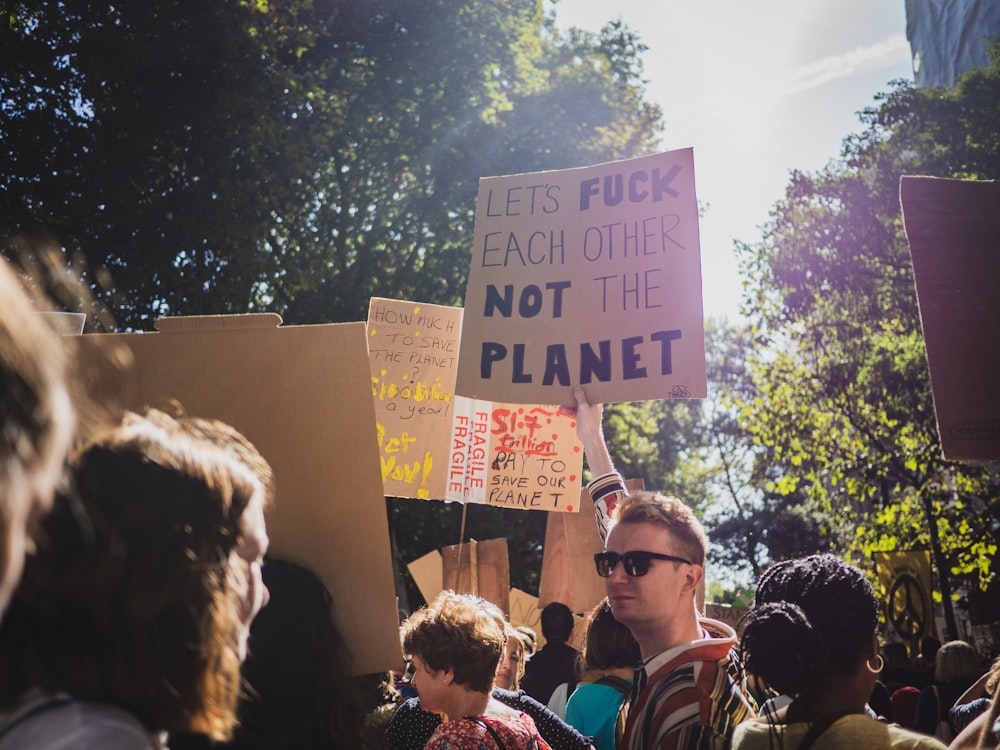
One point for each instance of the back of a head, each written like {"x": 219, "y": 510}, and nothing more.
{"x": 957, "y": 661}
{"x": 557, "y": 622}
{"x": 670, "y": 513}
{"x": 37, "y": 422}
{"x": 298, "y": 669}
{"x": 609, "y": 643}
{"x": 812, "y": 617}
{"x": 896, "y": 654}
{"x": 904, "y": 705}
{"x": 127, "y": 599}
{"x": 929, "y": 646}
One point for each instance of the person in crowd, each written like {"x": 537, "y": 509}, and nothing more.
{"x": 688, "y": 690}
{"x": 529, "y": 638}
{"x": 880, "y": 702}
{"x": 299, "y": 693}
{"x": 610, "y": 654}
{"x": 556, "y": 662}
{"x": 511, "y": 668}
{"x": 37, "y": 422}
{"x": 812, "y": 634}
{"x": 898, "y": 671}
{"x": 957, "y": 666}
{"x": 983, "y": 732}
{"x": 904, "y": 706}
{"x": 455, "y": 644}
{"x": 926, "y": 661}
{"x": 976, "y": 699}
{"x": 411, "y": 726}
{"x": 134, "y": 612}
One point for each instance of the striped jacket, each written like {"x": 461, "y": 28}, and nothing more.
{"x": 693, "y": 697}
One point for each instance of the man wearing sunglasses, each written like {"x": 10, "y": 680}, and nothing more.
{"x": 687, "y": 692}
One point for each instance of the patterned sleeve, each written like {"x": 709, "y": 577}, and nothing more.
{"x": 409, "y": 727}
{"x": 962, "y": 715}
{"x": 606, "y": 491}
{"x": 556, "y": 732}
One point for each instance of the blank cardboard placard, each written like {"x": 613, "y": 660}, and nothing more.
{"x": 588, "y": 276}
{"x": 479, "y": 568}
{"x": 524, "y": 611}
{"x": 953, "y": 229}
{"x": 302, "y": 395}
{"x": 428, "y": 573}
{"x": 571, "y": 541}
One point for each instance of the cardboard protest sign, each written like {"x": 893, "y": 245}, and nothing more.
{"x": 588, "y": 276}
{"x": 435, "y": 445}
{"x": 953, "y": 229}
{"x": 904, "y": 578}
{"x": 522, "y": 457}
{"x": 524, "y": 611}
{"x": 428, "y": 573}
{"x": 413, "y": 356}
{"x": 479, "y": 568}
{"x": 729, "y": 614}
{"x": 301, "y": 394}
{"x": 571, "y": 541}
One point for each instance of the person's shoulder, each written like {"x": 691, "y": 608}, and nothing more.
{"x": 73, "y": 724}
{"x": 901, "y": 738}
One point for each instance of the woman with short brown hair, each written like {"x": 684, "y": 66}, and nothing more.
{"x": 455, "y": 643}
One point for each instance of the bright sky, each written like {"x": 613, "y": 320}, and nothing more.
{"x": 757, "y": 89}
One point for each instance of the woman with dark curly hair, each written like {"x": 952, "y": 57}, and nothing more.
{"x": 455, "y": 643}
{"x": 133, "y": 614}
{"x": 811, "y": 634}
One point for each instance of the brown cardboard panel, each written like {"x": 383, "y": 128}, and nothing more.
{"x": 578, "y": 266}
{"x": 571, "y": 541}
{"x": 953, "y": 229}
{"x": 302, "y": 395}
{"x": 729, "y": 614}
{"x": 480, "y": 568}
{"x": 428, "y": 574}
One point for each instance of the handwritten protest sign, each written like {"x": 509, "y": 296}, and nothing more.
{"x": 588, "y": 276}
{"x": 436, "y": 445}
{"x": 413, "y": 353}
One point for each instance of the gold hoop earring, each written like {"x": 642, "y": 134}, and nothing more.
{"x": 878, "y": 660}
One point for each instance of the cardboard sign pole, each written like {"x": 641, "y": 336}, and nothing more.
{"x": 461, "y": 539}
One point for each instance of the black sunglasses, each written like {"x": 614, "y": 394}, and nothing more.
{"x": 636, "y": 562}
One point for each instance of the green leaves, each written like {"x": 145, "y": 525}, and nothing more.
{"x": 841, "y": 403}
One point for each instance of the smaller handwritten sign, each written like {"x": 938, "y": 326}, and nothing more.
{"x": 511, "y": 456}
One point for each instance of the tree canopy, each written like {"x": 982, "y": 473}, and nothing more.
{"x": 299, "y": 157}
{"x": 840, "y": 402}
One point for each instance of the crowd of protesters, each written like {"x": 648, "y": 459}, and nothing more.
{"x": 133, "y": 568}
